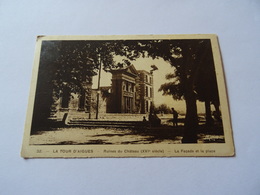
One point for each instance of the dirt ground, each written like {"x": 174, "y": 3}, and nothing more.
{"x": 80, "y": 136}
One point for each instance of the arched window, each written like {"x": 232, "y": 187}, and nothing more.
{"x": 130, "y": 87}
{"x": 65, "y": 101}
{"x": 82, "y": 100}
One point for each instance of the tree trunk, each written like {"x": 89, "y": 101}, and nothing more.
{"x": 217, "y": 110}
{"x": 191, "y": 119}
{"x": 209, "y": 119}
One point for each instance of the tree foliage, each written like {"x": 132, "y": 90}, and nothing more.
{"x": 65, "y": 66}
{"x": 163, "y": 108}
{"x": 194, "y": 76}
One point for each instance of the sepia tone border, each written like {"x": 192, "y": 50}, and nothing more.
{"x": 137, "y": 150}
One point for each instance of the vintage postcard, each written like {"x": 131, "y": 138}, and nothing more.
{"x": 127, "y": 96}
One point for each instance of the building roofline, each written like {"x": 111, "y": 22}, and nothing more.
{"x": 144, "y": 71}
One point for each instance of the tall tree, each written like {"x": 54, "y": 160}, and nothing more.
{"x": 206, "y": 85}
{"x": 64, "y": 66}
{"x": 188, "y": 58}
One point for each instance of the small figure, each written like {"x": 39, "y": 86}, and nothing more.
{"x": 175, "y": 117}
{"x": 145, "y": 123}
{"x": 154, "y": 120}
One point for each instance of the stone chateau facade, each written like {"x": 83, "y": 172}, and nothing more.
{"x": 131, "y": 92}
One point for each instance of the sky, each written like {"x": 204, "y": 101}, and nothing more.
{"x": 158, "y": 78}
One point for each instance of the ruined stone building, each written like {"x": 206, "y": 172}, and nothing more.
{"x": 123, "y": 92}
{"x": 145, "y": 90}
{"x": 74, "y": 102}
{"x": 131, "y": 92}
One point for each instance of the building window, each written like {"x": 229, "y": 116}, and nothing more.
{"x": 146, "y": 91}
{"x": 124, "y": 87}
{"x": 146, "y": 78}
{"x": 150, "y": 80}
{"x": 130, "y": 87}
{"x": 151, "y": 93}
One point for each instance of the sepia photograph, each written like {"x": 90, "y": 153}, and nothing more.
{"x": 120, "y": 96}
{"x": 130, "y": 97}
